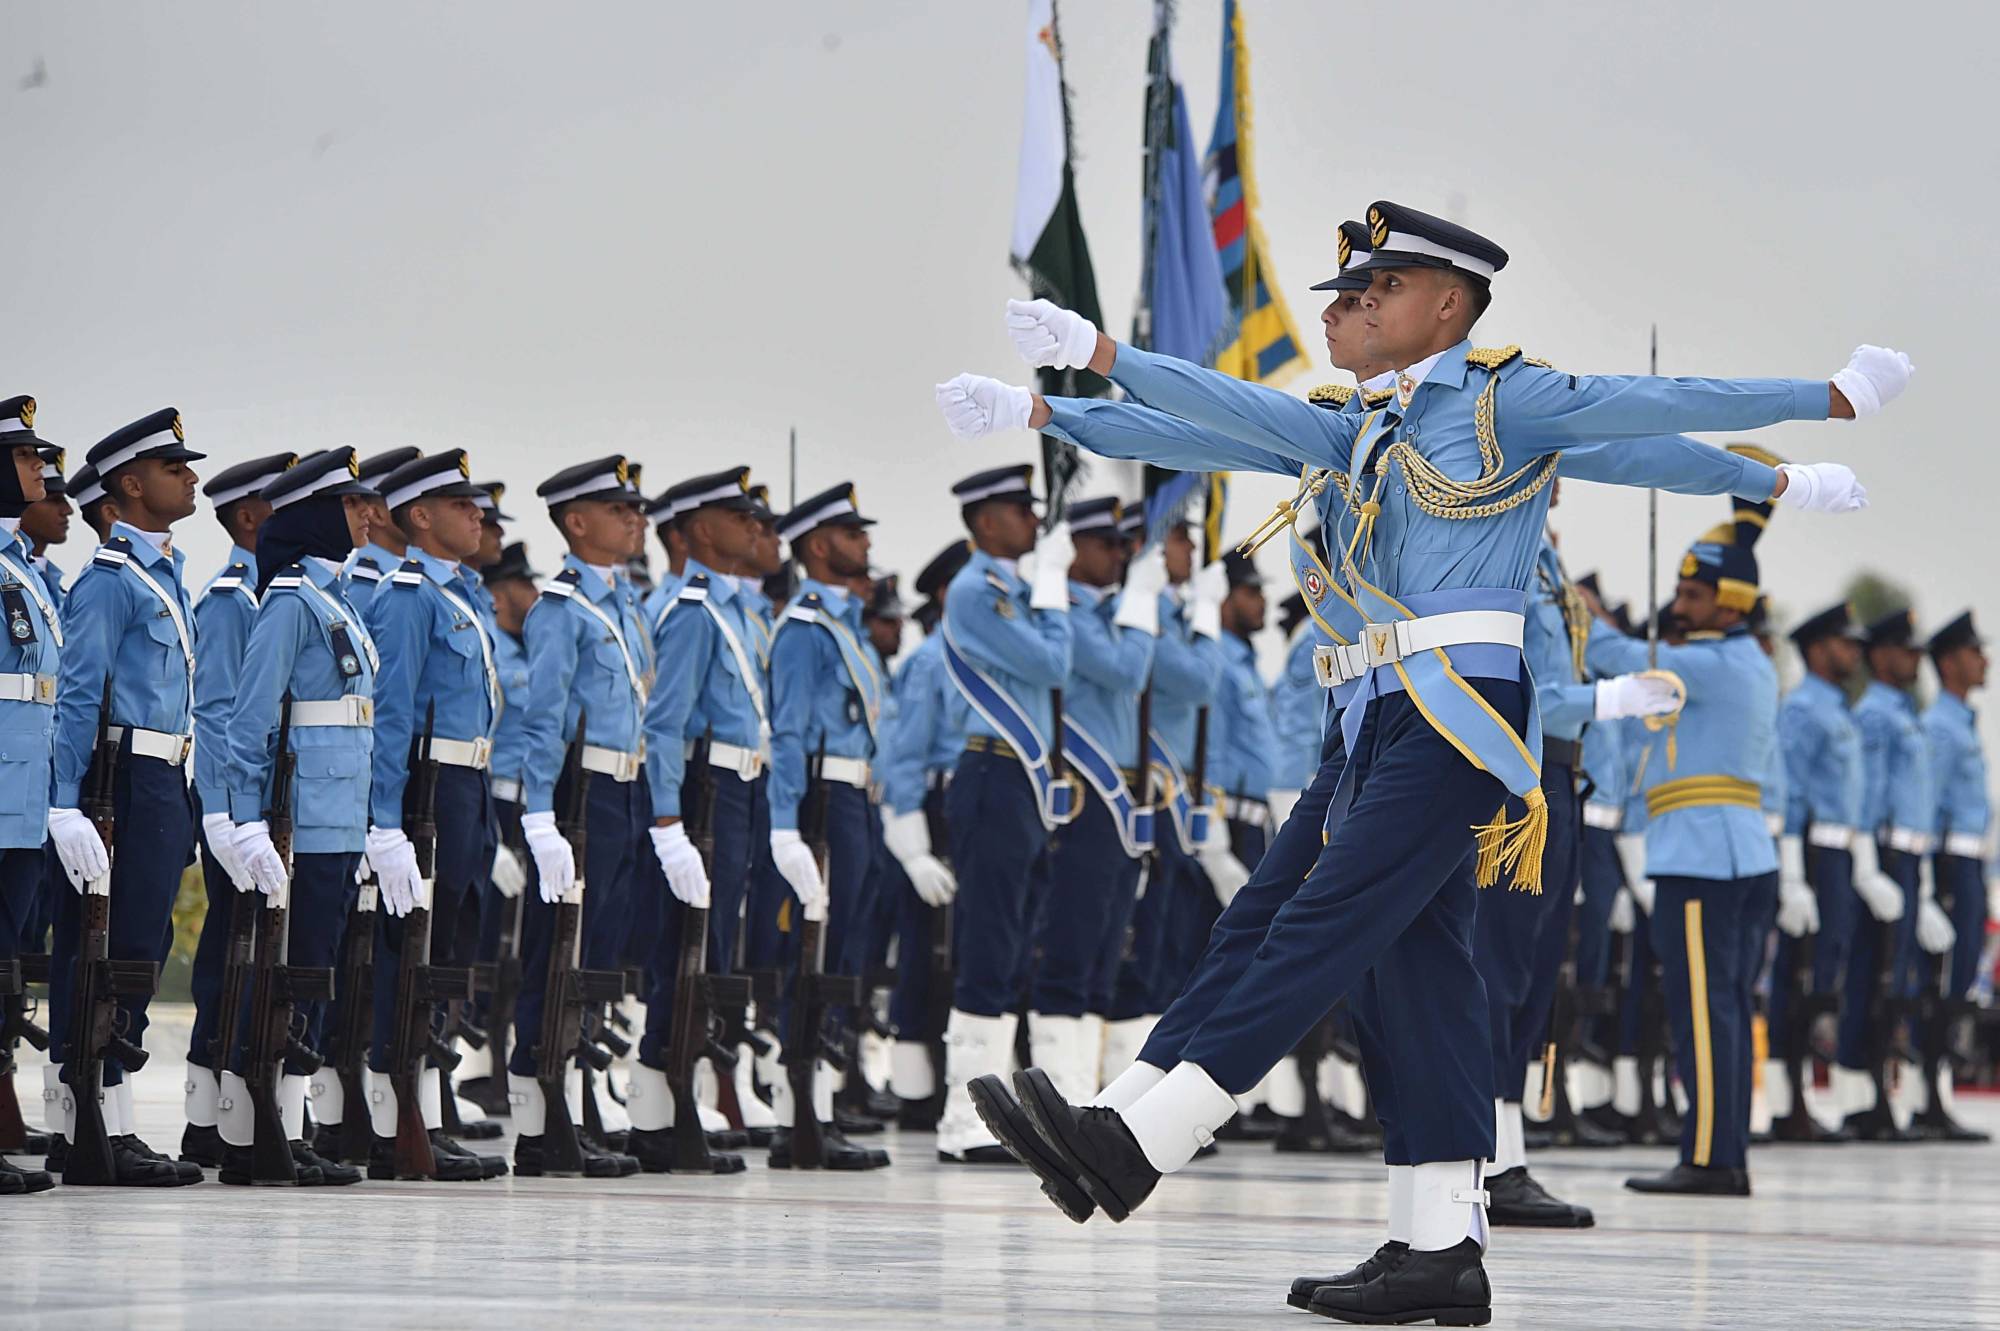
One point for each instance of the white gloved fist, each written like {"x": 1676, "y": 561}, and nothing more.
{"x": 687, "y": 876}
{"x": 1206, "y": 592}
{"x": 555, "y": 862}
{"x": 975, "y": 406}
{"x": 509, "y": 875}
{"x": 1643, "y": 892}
{"x": 935, "y": 883}
{"x": 796, "y": 864}
{"x": 79, "y": 847}
{"x": 260, "y": 858}
{"x": 1879, "y": 892}
{"x": 1934, "y": 932}
{"x": 1822, "y": 487}
{"x": 908, "y": 837}
{"x": 1048, "y": 335}
{"x": 220, "y": 833}
{"x": 1798, "y": 908}
{"x": 1622, "y": 912}
{"x": 1873, "y": 378}
{"x": 1145, "y": 579}
{"x": 395, "y": 863}
{"x": 1055, "y": 551}
{"x": 1635, "y": 695}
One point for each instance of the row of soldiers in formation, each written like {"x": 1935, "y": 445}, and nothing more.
{"x": 1461, "y": 682}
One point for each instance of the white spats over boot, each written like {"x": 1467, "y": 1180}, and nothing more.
{"x": 1447, "y": 1205}
{"x": 381, "y": 1104}
{"x": 1342, "y": 1086}
{"x": 756, "y": 1114}
{"x": 1122, "y": 1042}
{"x": 530, "y": 1108}
{"x": 974, "y": 1046}
{"x": 430, "y": 1101}
{"x": 235, "y": 1115}
{"x": 292, "y": 1106}
{"x": 911, "y": 1076}
{"x": 1777, "y": 1090}
{"x": 649, "y": 1101}
{"x": 614, "y": 1116}
{"x": 200, "y": 1091}
{"x": 1178, "y": 1117}
{"x": 1626, "y": 1088}
{"x": 1055, "y": 1045}
{"x": 1589, "y": 1084}
{"x": 1853, "y": 1090}
{"x": 1285, "y": 1089}
{"x": 1908, "y": 1096}
{"x": 58, "y": 1109}
{"x": 328, "y": 1096}
{"x": 1402, "y": 1202}
{"x": 128, "y": 1118}
{"x": 1510, "y": 1150}
{"x": 1125, "y": 1089}
{"x": 473, "y": 1063}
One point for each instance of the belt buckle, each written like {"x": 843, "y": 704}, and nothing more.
{"x": 362, "y": 709}
{"x": 482, "y": 752}
{"x": 1379, "y": 644}
{"x": 628, "y": 766}
{"x": 1327, "y": 667}
{"x": 45, "y": 689}
{"x": 184, "y": 748}
{"x": 750, "y": 764}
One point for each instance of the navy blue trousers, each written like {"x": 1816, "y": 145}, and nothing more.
{"x": 155, "y": 833}
{"x": 1521, "y": 937}
{"x": 1831, "y": 874}
{"x": 211, "y": 946}
{"x": 463, "y": 812}
{"x": 1632, "y": 1002}
{"x": 614, "y": 836}
{"x": 1961, "y": 890}
{"x": 1872, "y": 945}
{"x": 997, "y": 838}
{"x": 1138, "y": 988}
{"x": 764, "y": 936}
{"x": 852, "y": 832}
{"x": 1602, "y": 876}
{"x": 323, "y": 891}
{"x": 916, "y": 925}
{"x": 493, "y": 907}
{"x": 21, "y": 871}
{"x": 1698, "y": 927}
{"x": 1090, "y": 876}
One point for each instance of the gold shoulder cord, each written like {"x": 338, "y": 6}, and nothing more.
{"x": 1442, "y": 497}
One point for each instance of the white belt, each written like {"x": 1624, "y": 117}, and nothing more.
{"x": 1604, "y": 817}
{"x": 747, "y": 763}
{"x": 1382, "y": 644}
{"x": 1830, "y": 836}
{"x": 847, "y": 771}
{"x": 617, "y": 764}
{"x": 1909, "y": 840}
{"x": 508, "y": 790}
{"x": 350, "y": 710}
{"x": 1254, "y": 813}
{"x": 161, "y": 744}
{"x": 1968, "y": 844}
{"x": 473, "y": 753}
{"x": 1774, "y": 823}
{"x": 28, "y": 688}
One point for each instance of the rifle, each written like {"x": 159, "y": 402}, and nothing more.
{"x": 348, "y": 1049}
{"x": 96, "y": 1023}
{"x": 570, "y": 989}
{"x": 943, "y": 978}
{"x": 507, "y": 959}
{"x": 698, "y": 996}
{"x": 1198, "y": 774}
{"x": 816, "y": 991}
{"x": 420, "y": 986}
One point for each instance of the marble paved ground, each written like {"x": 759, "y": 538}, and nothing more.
{"x": 1905, "y": 1237}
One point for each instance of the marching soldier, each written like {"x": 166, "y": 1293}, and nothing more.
{"x": 388, "y": 545}
{"x": 29, "y": 662}
{"x": 223, "y": 613}
{"x": 437, "y": 690}
{"x": 584, "y": 669}
{"x": 128, "y": 621}
{"x": 308, "y": 664}
{"x": 1430, "y": 280}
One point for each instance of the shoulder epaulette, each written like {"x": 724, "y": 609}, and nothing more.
{"x": 694, "y": 589}
{"x": 1376, "y": 399}
{"x": 803, "y": 613}
{"x": 287, "y": 579}
{"x": 998, "y": 584}
{"x": 1538, "y": 361}
{"x": 367, "y": 572}
{"x": 411, "y": 574}
{"x": 114, "y": 553}
{"x": 1492, "y": 358}
{"x": 1335, "y": 395}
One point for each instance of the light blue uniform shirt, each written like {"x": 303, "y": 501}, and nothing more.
{"x": 292, "y": 650}
{"x": 123, "y": 619}
{"x": 1895, "y": 764}
{"x": 510, "y": 739}
{"x": 1958, "y": 768}
{"x": 821, "y": 701}
{"x": 1298, "y": 707}
{"x": 702, "y": 691}
{"x": 1108, "y": 666}
{"x": 52, "y": 578}
{"x": 924, "y": 742}
{"x": 1822, "y": 751}
{"x": 663, "y": 593}
{"x": 365, "y": 571}
{"x": 1026, "y": 652}
{"x": 1248, "y": 743}
{"x": 435, "y": 654}
{"x": 1187, "y": 674}
{"x": 27, "y": 729}
{"x": 1567, "y": 702}
{"x": 1727, "y": 729}
{"x": 223, "y": 613}
{"x": 579, "y": 660}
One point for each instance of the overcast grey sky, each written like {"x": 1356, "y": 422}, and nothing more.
{"x": 548, "y": 232}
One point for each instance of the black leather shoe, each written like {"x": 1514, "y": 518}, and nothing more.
{"x": 489, "y": 1093}
{"x": 202, "y": 1146}
{"x": 1320, "y": 1134}
{"x": 16, "y": 1182}
{"x": 1606, "y": 1122}
{"x": 1802, "y": 1129}
{"x": 1937, "y": 1124}
{"x": 1586, "y": 1133}
{"x": 239, "y": 1171}
{"x": 654, "y": 1152}
{"x": 32, "y": 1143}
{"x": 1516, "y": 1199}
{"x": 480, "y": 1130}
{"x": 855, "y": 1125}
{"x": 1094, "y": 1142}
{"x": 1255, "y": 1127}
{"x": 461, "y": 1168}
{"x": 918, "y": 1115}
{"x": 490, "y": 1166}
{"x": 528, "y": 1161}
{"x": 136, "y": 1169}
{"x": 1448, "y": 1287}
{"x": 734, "y": 1139}
{"x": 1386, "y": 1256}
{"x": 1878, "y": 1125}
{"x": 332, "y": 1174}
{"x": 187, "y": 1170}
{"x": 1004, "y": 1118}
{"x": 838, "y": 1153}
{"x": 1694, "y": 1181}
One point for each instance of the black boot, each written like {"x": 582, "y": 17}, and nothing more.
{"x": 1320, "y": 1131}
{"x": 15, "y": 1181}
{"x": 1606, "y": 1123}
{"x": 919, "y": 1115}
{"x": 653, "y": 1151}
{"x": 1093, "y": 1142}
{"x": 837, "y": 1152}
{"x": 490, "y": 1166}
{"x": 1004, "y": 1118}
{"x": 855, "y": 1125}
{"x": 1259, "y": 1125}
{"x": 1516, "y": 1199}
{"x": 202, "y": 1146}
{"x": 185, "y": 1170}
{"x": 1448, "y": 1287}
{"x": 1878, "y": 1125}
{"x": 1695, "y": 1181}
{"x": 131, "y": 1169}
{"x": 239, "y": 1170}
{"x": 489, "y": 1093}
{"x": 1802, "y": 1129}
{"x": 1937, "y": 1124}
{"x": 529, "y": 1161}
{"x": 332, "y": 1174}
{"x": 459, "y": 1168}
{"x": 1386, "y": 1256}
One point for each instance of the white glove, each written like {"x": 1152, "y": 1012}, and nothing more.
{"x": 1046, "y": 334}
{"x": 555, "y": 862}
{"x": 1822, "y": 487}
{"x": 1206, "y": 592}
{"x": 1145, "y": 579}
{"x": 1882, "y": 894}
{"x": 1635, "y": 695}
{"x": 396, "y": 877}
{"x": 1934, "y": 932}
{"x": 975, "y": 406}
{"x": 1282, "y": 803}
{"x": 259, "y": 857}
{"x": 1643, "y": 892}
{"x": 1873, "y": 378}
{"x": 795, "y": 862}
{"x": 508, "y": 873}
{"x": 1798, "y": 908}
{"x": 220, "y": 834}
{"x": 1622, "y": 912}
{"x": 908, "y": 837}
{"x": 686, "y": 875}
{"x": 78, "y": 846}
{"x": 1055, "y": 551}
{"x": 1791, "y": 859}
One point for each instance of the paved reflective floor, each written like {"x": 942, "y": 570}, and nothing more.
{"x": 1904, "y": 1237}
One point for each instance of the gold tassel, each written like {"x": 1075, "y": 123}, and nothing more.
{"x": 1515, "y": 845}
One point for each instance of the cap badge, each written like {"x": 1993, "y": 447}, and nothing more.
{"x": 180, "y": 434}
{"x": 28, "y": 413}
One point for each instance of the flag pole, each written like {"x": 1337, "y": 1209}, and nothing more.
{"x": 1653, "y": 542}
{"x": 792, "y": 499}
